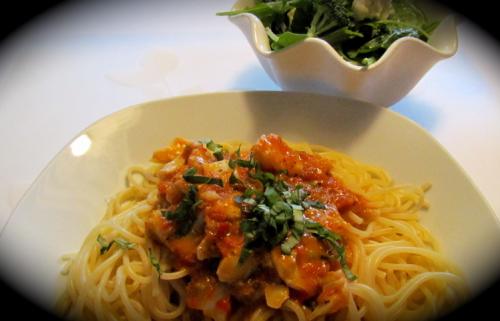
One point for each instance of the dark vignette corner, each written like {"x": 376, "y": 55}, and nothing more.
{"x": 17, "y": 307}
{"x": 479, "y": 13}
{"x": 20, "y": 13}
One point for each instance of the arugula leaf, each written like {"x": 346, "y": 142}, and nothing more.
{"x": 299, "y": 16}
{"x": 368, "y": 61}
{"x": 190, "y": 177}
{"x": 338, "y": 36}
{"x": 267, "y": 12}
{"x": 339, "y": 10}
{"x": 185, "y": 213}
{"x": 406, "y": 11}
{"x": 288, "y": 22}
{"x": 324, "y": 19}
{"x": 383, "y": 35}
{"x": 284, "y": 39}
{"x": 393, "y": 32}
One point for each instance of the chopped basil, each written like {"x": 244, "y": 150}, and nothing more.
{"x": 245, "y": 253}
{"x": 263, "y": 177}
{"x": 298, "y": 220}
{"x": 235, "y": 181}
{"x": 185, "y": 213}
{"x": 249, "y": 192}
{"x": 124, "y": 244}
{"x": 314, "y": 204}
{"x": 154, "y": 261}
{"x": 272, "y": 195}
{"x": 276, "y": 217}
{"x": 105, "y": 245}
{"x": 273, "y": 213}
{"x": 335, "y": 241}
{"x": 241, "y": 163}
{"x": 190, "y": 177}
{"x": 289, "y": 244}
{"x": 298, "y": 195}
{"x": 217, "y": 149}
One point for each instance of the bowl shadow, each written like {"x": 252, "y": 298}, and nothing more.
{"x": 254, "y": 77}
{"x": 313, "y": 115}
{"x": 426, "y": 115}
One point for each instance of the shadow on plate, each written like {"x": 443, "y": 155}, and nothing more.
{"x": 314, "y": 116}
{"x": 420, "y": 112}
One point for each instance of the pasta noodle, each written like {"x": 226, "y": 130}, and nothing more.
{"x": 122, "y": 272}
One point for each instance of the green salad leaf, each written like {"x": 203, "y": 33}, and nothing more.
{"x": 361, "y": 42}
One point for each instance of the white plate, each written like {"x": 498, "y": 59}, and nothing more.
{"x": 69, "y": 196}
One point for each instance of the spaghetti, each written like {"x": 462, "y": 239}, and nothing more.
{"x": 262, "y": 232}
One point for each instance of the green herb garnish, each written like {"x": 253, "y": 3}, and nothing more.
{"x": 360, "y": 36}
{"x": 185, "y": 213}
{"x": 154, "y": 261}
{"x": 105, "y": 245}
{"x": 314, "y": 204}
{"x": 190, "y": 177}
{"x": 335, "y": 241}
{"x": 276, "y": 217}
{"x": 217, "y": 149}
{"x": 241, "y": 163}
{"x": 235, "y": 181}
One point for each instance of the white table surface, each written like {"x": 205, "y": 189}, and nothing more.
{"x": 83, "y": 61}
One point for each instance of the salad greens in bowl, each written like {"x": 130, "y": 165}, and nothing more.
{"x": 372, "y": 50}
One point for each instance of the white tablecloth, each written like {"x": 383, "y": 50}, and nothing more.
{"x": 82, "y": 61}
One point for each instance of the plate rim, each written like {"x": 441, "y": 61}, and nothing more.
{"x": 149, "y": 103}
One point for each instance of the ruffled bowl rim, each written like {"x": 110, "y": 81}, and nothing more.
{"x": 260, "y": 42}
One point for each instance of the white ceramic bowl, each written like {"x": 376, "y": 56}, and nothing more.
{"x": 314, "y": 66}
{"x": 69, "y": 197}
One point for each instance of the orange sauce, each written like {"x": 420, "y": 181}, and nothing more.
{"x": 217, "y": 237}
